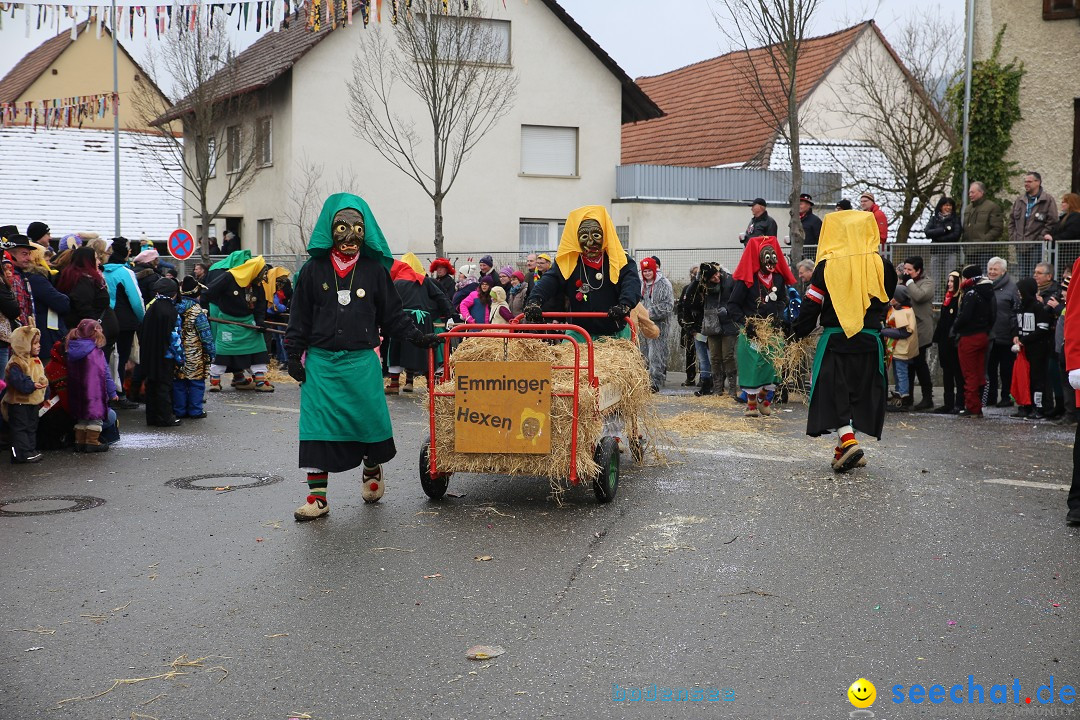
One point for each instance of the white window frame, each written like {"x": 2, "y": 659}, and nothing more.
{"x": 211, "y": 154}
{"x": 545, "y": 151}
{"x": 265, "y": 229}
{"x": 498, "y": 26}
{"x": 234, "y": 150}
{"x": 553, "y": 235}
{"x": 265, "y": 140}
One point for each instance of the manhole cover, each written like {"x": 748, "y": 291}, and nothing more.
{"x": 48, "y": 505}
{"x": 213, "y": 481}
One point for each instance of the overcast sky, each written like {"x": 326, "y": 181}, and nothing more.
{"x": 646, "y": 37}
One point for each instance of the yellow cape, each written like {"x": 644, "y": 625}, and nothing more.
{"x": 412, "y": 261}
{"x": 854, "y": 274}
{"x": 246, "y": 272}
{"x": 570, "y": 249}
{"x": 270, "y": 286}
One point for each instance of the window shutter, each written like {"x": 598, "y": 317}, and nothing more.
{"x": 1061, "y": 9}
{"x": 547, "y": 150}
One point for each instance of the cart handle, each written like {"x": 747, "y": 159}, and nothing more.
{"x": 583, "y": 314}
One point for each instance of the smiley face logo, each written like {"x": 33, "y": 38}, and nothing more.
{"x": 862, "y": 693}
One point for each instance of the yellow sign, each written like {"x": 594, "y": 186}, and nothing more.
{"x": 502, "y": 407}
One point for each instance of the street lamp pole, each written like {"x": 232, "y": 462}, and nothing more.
{"x": 116, "y": 126}
{"x": 967, "y": 100}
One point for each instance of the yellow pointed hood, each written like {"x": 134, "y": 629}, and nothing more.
{"x": 245, "y": 273}
{"x": 570, "y": 248}
{"x": 270, "y": 287}
{"x": 854, "y": 274}
{"x": 412, "y": 261}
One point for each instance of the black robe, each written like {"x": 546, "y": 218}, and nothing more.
{"x": 155, "y": 340}
{"x": 627, "y": 291}
{"x": 416, "y": 296}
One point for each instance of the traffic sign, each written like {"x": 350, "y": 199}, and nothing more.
{"x": 181, "y": 244}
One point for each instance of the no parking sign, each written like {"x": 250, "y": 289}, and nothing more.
{"x": 181, "y": 244}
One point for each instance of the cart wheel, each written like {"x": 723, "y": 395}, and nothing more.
{"x": 637, "y": 449}
{"x": 434, "y": 487}
{"x": 607, "y": 457}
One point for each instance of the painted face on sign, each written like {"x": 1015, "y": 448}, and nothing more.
{"x": 348, "y": 231}
{"x": 767, "y": 256}
{"x": 591, "y": 237}
{"x": 530, "y": 428}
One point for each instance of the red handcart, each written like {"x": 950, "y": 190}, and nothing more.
{"x": 435, "y": 480}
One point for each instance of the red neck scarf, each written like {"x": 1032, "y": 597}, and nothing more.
{"x": 343, "y": 263}
{"x": 598, "y": 265}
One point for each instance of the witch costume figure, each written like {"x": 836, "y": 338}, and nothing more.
{"x": 849, "y": 294}
{"x": 236, "y": 295}
{"x": 343, "y": 299}
{"x": 592, "y": 272}
{"x": 761, "y": 282}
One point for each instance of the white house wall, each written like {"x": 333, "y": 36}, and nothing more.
{"x": 1042, "y": 140}
{"x": 665, "y": 224}
{"x": 560, "y": 82}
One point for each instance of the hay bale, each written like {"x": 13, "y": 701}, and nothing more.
{"x": 555, "y": 466}
{"x": 618, "y": 362}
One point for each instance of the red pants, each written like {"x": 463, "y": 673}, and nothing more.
{"x": 972, "y": 352}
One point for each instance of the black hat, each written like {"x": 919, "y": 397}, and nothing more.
{"x": 970, "y": 271}
{"x": 166, "y": 286}
{"x": 806, "y": 199}
{"x": 11, "y": 240}
{"x": 759, "y": 201}
{"x": 37, "y": 230}
{"x": 191, "y": 287}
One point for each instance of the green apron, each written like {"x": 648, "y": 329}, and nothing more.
{"x": 233, "y": 339}
{"x": 342, "y": 399}
{"x": 819, "y": 354}
{"x": 755, "y": 366}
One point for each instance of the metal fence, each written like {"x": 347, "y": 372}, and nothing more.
{"x": 939, "y": 259}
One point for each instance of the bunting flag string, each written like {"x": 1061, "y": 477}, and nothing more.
{"x": 159, "y": 19}
{"x": 57, "y": 112}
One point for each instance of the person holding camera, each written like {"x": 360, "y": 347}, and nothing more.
{"x": 717, "y": 353}
{"x": 920, "y": 289}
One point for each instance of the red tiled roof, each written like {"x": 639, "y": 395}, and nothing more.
{"x": 710, "y": 109}
{"x": 272, "y": 55}
{"x": 37, "y": 61}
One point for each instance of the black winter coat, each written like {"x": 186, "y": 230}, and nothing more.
{"x": 945, "y": 229}
{"x": 1068, "y": 228}
{"x": 978, "y": 310}
{"x": 90, "y": 301}
{"x": 763, "y": 226}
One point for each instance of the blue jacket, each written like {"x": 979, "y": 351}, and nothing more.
{"x": 119, "y": 274}
{"x": 46, "y": 298}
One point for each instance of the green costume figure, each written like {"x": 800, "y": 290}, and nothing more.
{"x": 342, "y": 300}
{"x": 236, "y": 295}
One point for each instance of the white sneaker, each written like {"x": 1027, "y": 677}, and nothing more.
{"x": 313, "y": 509}
{"x": 374, "y": 486}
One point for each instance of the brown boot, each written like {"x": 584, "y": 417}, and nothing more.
{"x": 262, "y": 384}
{"x": 80, "y": 440}
{"x": 93, "y": 444}
{"x": 393, "y": 386}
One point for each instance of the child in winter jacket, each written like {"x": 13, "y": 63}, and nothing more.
{"x": 901, "y": 329}
{"x": 89, "y": 385}
{"x": 1036, "y": 322}
{"x": 197, "y": 339}
{"x": 26, "y": 383}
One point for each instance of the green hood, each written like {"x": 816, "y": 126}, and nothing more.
{"x": 233, "y": 260}
{"x": 322, "y": 239}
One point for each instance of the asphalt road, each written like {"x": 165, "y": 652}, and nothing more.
{"x": 742, "y": 565}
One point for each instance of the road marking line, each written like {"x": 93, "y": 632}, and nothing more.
{"x": 1026, "y": 483}
{"x": 262, "y": 407}
{"x": 724, "y": 453}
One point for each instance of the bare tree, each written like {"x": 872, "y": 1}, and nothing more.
{"x": 219, "y": 150}
{"x": 458, "y": 67}
{"x": 770, "y": 82}
{"x": 306, "y": 189}
{"x": 897, "y": 103}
